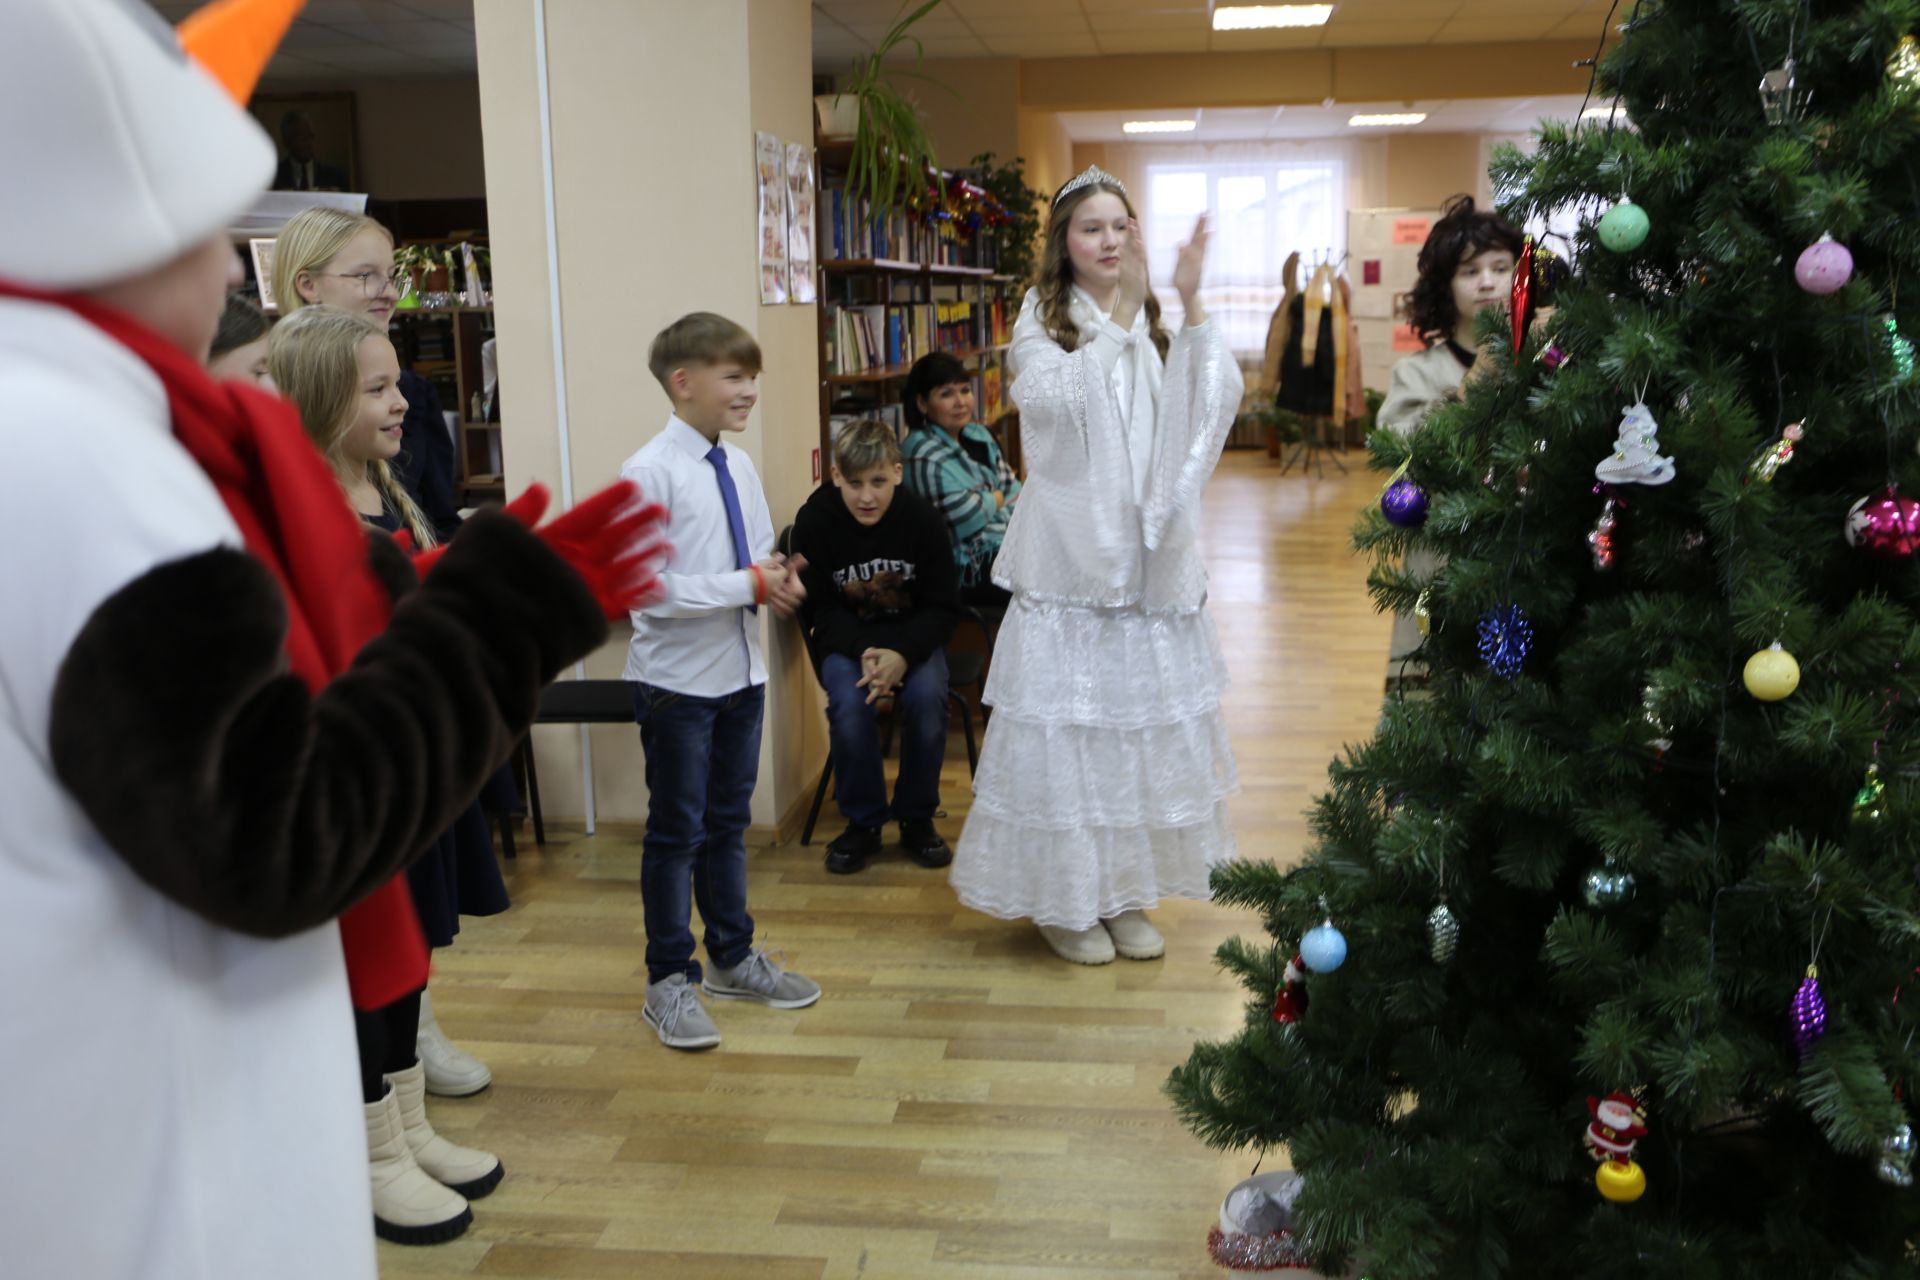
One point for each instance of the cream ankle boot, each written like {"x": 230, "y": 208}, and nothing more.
{"x": 1081, "y": 946}
{"x": 1135, "y": 937}
{"x": 408, "y": 1206}
{"x": 452, "y": 1072}
{"x": 471, "y": 1173}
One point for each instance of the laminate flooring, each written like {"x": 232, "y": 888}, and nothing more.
{"x": 961, "y": 1105}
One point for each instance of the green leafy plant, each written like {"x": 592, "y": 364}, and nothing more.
{"x": 1007, "y": 183}
{"x": 891, "y": 145}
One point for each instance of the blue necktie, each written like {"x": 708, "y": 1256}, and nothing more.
{"x": 730, "y": 496}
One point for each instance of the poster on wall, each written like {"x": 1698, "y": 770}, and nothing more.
{"x": 1386, "y": 244}
{"x": 800, "y": 223}
{"x": 770, "y": 167}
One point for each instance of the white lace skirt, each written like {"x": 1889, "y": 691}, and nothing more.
{"x": 1104, "y": 778}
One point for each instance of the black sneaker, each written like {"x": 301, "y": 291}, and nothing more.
{"x": 923, "y": 845}
{"x": 851, "y": 848}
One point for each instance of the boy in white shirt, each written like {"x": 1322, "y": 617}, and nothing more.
{"x": 699, "y": 682}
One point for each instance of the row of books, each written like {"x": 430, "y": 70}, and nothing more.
{"x": 892, "y": 335}
{"x": 853, "y": 230}
{"x": 989, "y": 398}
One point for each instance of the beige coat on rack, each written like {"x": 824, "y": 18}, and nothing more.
{"x": 1280, "y": 328}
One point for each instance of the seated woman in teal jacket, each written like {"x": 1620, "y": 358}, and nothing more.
{"x": 953, "y": 462}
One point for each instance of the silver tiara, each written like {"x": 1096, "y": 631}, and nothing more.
{"x": 1094, "y": 173}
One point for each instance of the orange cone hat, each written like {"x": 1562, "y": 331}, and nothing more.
{"x": 235, "y": 39}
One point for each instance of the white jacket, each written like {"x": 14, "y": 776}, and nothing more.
{"x": 179, "y": 1101}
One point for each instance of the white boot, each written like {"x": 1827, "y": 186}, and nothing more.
{"x": 1081, "y": 946}
{"x": 452, "y": 1072}
{"x": 471, "y": 1173}
{"x": 408, "y": 1206}
{"x": 1135, "y": 937}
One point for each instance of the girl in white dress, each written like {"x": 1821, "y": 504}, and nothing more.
{"x": 1103, "y": 783}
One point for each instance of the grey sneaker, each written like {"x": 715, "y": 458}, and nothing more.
{"x": 674, "y": 1010}
{"x": 759, "y": 978}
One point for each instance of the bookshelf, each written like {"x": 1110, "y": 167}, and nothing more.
{"x": 442, "y": 344}
{"x": 893, "y": 288}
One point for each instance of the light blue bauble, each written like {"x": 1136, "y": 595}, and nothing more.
{"x": 1625, "y": 227}
{"x": 1324, "y": 949}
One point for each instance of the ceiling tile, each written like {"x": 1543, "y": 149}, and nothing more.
{"x": 1042, "y": 47}
{"x": 1284, "y": 38}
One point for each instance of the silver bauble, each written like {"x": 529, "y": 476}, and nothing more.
{"x": 1896, "y": 1157}
{"x": 1443, "y": 933}
{"x": 1609, "y": 886}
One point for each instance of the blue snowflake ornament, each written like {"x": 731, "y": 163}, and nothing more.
{"x": 1506, "y": 638}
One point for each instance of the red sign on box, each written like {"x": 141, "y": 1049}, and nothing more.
{"x": 1370, "y": 271}
{"x": 1411, "y": 230}
{"x": 1405, "y": 339}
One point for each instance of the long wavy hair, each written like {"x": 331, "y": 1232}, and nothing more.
{"x": 311, "y": 239}
{"x": 313, "y": 357}
{"x": 1053, "y": 277}
{"x": 1462, "y": 232}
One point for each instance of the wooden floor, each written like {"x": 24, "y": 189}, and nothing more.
{"x": 960, "y": 1105}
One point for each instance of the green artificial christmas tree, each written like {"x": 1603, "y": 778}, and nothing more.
{"x": 1628, "y": 897}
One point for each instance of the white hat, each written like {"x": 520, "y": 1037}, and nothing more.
{"x": 120, "y": 152}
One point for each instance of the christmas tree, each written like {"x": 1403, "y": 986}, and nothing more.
{"x": 1627, "y": 897}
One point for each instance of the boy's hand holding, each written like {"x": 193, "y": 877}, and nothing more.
{"x": 881, "y": 671}
{"x": 786, "y": 597}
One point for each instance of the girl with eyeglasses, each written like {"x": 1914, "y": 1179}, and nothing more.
{"x": 345, "y": 260}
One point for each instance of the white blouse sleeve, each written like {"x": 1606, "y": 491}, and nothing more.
{"x": 1199, "y": 400}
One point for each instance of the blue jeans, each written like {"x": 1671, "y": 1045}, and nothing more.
{"x": 703, "y": 755}
{"x": 853, "y": 730}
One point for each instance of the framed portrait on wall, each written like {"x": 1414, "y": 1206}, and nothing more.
{"x": 262, "y": 250}
{"x": 315, "y": 135}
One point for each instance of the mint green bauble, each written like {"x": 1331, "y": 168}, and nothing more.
{"x": 1624, "y": 229}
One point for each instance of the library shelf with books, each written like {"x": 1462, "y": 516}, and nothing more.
{"x": 443, "y": 345}
{"x": 894, "y": 288}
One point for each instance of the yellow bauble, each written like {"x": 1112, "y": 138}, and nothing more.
{"x": 1771, "y": 674}
{"x": 1620, "y": 1183}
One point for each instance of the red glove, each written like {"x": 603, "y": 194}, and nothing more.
{"x": 423, "y": 561}
{"x": 614, "y": 540}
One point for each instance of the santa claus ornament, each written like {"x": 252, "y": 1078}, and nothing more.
{"x": 1290, "y": 1002}
{"x": 1618, "y": 1123}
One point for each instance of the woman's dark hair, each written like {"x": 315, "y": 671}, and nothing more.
{"x": 1462, "y": 232}
{"x": 930, "y": 372}
{"x": 240, "y": 324}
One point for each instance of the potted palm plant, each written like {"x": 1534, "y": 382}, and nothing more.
{"x": 890, "y": 140}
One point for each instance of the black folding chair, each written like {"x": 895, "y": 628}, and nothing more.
{"x": 572, "y": 702}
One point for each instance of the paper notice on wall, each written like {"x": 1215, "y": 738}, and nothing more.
{"x": 800, "y": 223}
{"x": 1411, "y": 230}
{"x": 770, "y": 170}
{"x": 1405, "y": 339}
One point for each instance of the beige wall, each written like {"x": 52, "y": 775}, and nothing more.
{"x": 418, "y": 139}
{"x": 973, "y": 107}
{"x": 1423, "y": 169}
{"x": 1307, "y": 75}
{"x": 1048, "y": 151}
{"x": 653, "y": 221}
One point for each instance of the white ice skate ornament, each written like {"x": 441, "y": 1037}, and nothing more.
{"x": 1256, "y": 1226}
{"x": 1636, "y": 451}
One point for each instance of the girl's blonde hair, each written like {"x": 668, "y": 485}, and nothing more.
{"x": 310, "y": 240}
{"x": 1053, "y": 277}
{"x": 313, "y": 357}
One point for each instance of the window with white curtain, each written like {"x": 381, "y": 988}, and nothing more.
{"x": 1264, "y": 208}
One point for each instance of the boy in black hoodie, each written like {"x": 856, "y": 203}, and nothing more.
{"x": 882, "y": 598}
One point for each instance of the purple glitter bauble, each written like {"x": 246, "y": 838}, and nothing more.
{"x": 1824, "y": 266}
{"x": 1404, "y": 504}
{"x": 1808, "y": 1013}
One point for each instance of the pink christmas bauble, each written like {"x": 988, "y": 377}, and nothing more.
{"x": 1824, "y": 266}
{"x": 1885, "y": 524}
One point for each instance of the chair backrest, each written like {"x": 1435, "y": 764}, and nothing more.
{"x": 784, "y": 545}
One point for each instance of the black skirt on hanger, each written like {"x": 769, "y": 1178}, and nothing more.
{"x": 1308, "y": 388}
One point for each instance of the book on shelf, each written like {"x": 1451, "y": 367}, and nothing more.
{"x": 855, "y": 232}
